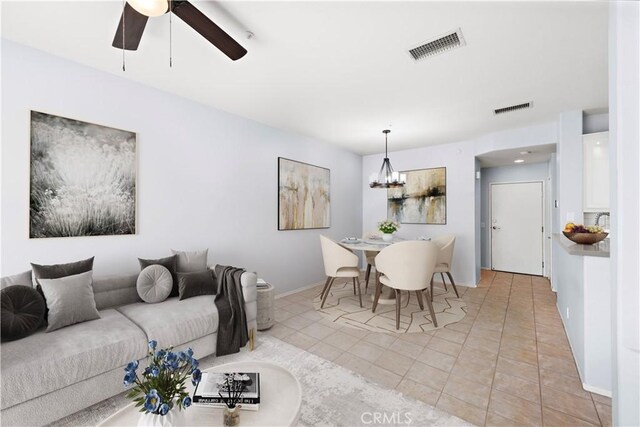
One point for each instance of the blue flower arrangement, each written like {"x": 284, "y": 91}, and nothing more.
{"x": 161, "y": 386}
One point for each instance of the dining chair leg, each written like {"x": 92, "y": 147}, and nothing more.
{"x": 433, "y": 314}
{"x": 354, "y": 287}
{"x": 366, "y": 278}
{"x": 453, "y": 283}
{"x": 420, "y": 303}
{"x": 377, "y": 294}
{"x": 444, "y": 283}
{"x": 431, "y": 293}
{"x": 326, "y": 293}
{"x": 398, "y": 298}
{"x": 356, "y": 279}
{"x": 325, "y": 286}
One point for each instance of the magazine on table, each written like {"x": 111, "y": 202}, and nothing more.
{"x": 211, "y": 386}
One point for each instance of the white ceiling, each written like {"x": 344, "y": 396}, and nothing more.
{"x": 536, "y": 154}
{"x": 339, "y": 71}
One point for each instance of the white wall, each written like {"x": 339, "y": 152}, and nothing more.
{"x": 624, "y": 134}
{"x": 462, "y": 197}
{"x": 502, "y": 174}
{"x": 206, "y": 178}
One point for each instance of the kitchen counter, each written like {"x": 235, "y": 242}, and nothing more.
{"x": 600, "y": 249}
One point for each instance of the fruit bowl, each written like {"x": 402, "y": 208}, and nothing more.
{"x": 585, "y": 238}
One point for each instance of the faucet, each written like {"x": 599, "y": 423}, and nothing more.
{"x": 599, "y": 215}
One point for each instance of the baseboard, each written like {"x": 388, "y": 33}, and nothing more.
{"x": 295, "y": 291}
{"x": 597, "y": 390}
{"x": 304, "y": 288}
{"x": 573, "y": 352}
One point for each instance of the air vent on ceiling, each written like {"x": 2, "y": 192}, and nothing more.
{"x": 438, "y": 45}
{"x": 513, "y": 108}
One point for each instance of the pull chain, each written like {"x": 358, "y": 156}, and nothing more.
{"x": 170, "y": 34}
{"x": 124, "y": 5}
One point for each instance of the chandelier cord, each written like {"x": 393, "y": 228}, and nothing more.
{"x": 170, "y": 34}
{"x": 124, "y": 5}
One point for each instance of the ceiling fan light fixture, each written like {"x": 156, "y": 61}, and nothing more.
{"x": 150, "y": 8}
{"x": 387, "y": 177}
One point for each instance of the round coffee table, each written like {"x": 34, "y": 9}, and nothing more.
{"x": 280, "y": 401}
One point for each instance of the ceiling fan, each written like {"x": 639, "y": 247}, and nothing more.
{"x": 137, "y": 12}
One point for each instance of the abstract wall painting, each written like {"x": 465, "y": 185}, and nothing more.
{"x": 304, "y": 200}
{"x": 423, "y": 200}
{"x": 83, "y": 179}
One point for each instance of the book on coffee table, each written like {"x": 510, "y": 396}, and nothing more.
{"x": 211, "y": 385}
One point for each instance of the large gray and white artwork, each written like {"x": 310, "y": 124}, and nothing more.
{"x": 423, "y": 200}
{"x": 83, "y": 178}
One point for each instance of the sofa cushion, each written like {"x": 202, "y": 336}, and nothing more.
{"x": 24, "y": 279}
{"x": 154, "y": 284}
{"x": 174, "y": 322}
{"x": 196, "y": 284}
{"x": 22, "y": 311}
{"x": 190, "y": 262}
{"x": 114, "y": 291}
{"x": 45, "y": 362}
{"x": 169, "y": 263}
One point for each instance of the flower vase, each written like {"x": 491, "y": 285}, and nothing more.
{"x": 231, "y": 416}
{"x": 156, "y": 420}
{"x": 387, "y": 237}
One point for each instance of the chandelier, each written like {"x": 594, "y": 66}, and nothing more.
{"x": 387, "y": 177}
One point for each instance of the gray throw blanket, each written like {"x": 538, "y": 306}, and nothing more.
{"x": 232, "y": 327}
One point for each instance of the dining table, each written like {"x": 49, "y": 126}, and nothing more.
{"x": 373, "y": 244}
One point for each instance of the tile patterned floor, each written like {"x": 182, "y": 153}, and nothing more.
{"x": 506, "y": 363}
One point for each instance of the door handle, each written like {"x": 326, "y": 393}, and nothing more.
{"x": 495, "y": 228}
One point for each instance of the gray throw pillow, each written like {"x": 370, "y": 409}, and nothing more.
{"x": 196, "y": 284}
{"x": 154, "y": 284}
{"x": 169, "y": 263}
{"x": 69, "y": 300}
{"x": 55, "y": 271}
{"x": 24, "y": 279}
{"x": 189, "y": 262}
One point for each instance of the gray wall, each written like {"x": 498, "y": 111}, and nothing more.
{"x": 515, "y": 173}
{"x": 206, "y": 178}
{"x": 567, "y": 269}
{"x": 593, "y": 123}
{"x": 624, "y": 134}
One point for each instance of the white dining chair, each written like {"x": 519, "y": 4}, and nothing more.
{"x": 407, "y": 266}
{"x": 445, "y": 244}
{"x": 339, "y": 262}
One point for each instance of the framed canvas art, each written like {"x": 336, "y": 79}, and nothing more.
{"x": 304, "y": 196}
{"x": 423, "y": 199}
{"x": 83, "y": 179}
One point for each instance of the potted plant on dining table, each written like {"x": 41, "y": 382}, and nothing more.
{"x": 387, "y": 228}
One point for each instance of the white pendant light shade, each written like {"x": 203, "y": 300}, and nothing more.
{"x": 150, "y": 7}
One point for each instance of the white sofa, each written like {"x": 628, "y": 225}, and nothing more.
{"x": 47, "y": 376}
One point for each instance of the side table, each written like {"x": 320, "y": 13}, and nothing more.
{"x": 265, "y": 298}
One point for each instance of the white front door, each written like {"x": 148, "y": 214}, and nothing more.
{"x": 517, "y": 227}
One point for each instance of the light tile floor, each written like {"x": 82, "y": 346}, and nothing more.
{"x": 507, "y": 363}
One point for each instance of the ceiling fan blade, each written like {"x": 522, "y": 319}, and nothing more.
{"x": 208, "y": 29}
{"x": 134, "y": 23}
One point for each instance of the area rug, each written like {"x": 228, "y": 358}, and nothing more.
{"x": 331, "y": 395}
{"x": 343, "y": 307}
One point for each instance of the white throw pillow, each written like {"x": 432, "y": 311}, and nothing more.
{"x": 154, "y": 283}
{"x": 190, "y": 262}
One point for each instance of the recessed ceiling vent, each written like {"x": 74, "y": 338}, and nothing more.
{"x": 513, "y": 108}
{"x": 438, "y": 45}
